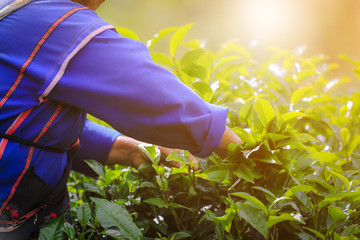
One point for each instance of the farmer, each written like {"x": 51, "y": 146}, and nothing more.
{"x": 60, "y": 61}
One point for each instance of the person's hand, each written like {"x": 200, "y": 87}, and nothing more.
{"x": 165, "y": 152}
{"x": 125, "y": 151}
{"x": 227, "y": 138}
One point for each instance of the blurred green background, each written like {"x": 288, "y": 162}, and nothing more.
{"x": 328, "y": 27}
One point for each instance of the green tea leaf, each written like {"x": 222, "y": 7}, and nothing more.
{"x": 91, "y": 187}
{"x": 114, "y": 233}
{"x": 204, "y": 90}
{"x": 322, "y": 99}
{"x": 351, "y": 60}
{"x": 146, "y": 184}
{"x": 255, "y": 217}
{"x": 278, "y": 201}
{"x": 266, "y": 191}
{"x": 219, "y": 172}
{"x": 264, "y": 110}
{"x": 345, "y": 135}
{"x": 113, "y": 215}
{"x": 127, "y": 33}
{"x": 244, "y": 172}
{"x": 281, "y": 218}
{"x": 291, "y": 115}
{"x": 162, "y": 182}
{"x": 246, "y": 110}
{"x": 301, "y": 93}
{"x": 325, "y": 185}
{"x": 297, "y": 188}
{"x": 276, "y": 137}
{"x": 69, "y": 230}
{"x": 306, "y": 202}
{"x": 162, "y": 59}
{"x": 324, "y": 157}
{"x": 301, "y": 76}
{"x": 227, "y": 219}
{"x": 160, "y": 170}
{"x": 96, "y": 167}
{"x": 111, "y": 175}
{"x": 164, "y": 32}
{"x": 224, "y": 60}
{"x": 305, "y": 236}
{"x": 157, "y": 202}
{"x": 53, "y": 230}
{"x": 180, "y": 235}
{"x": 209, "y": 215}
{"x": 246, "y": 137}
{"x": 178, "y": 37}
{"x": 351, "y": 196}
{"x": 317, "y": 234}
{"x": 342, "y": 178}
{"x": 83, "y": 214}
{"x": 151, "y": 151}
{"x": 194, "y": 44}
{"x": 176, "y": 205}
{"x": 219, "y": 231}
{"x": 304, "y": 137}
{"x": 192, "y": 56}
{"x": 252, "y": 199}
{"x": 176, "y": 157}
{"x": 336, "y": 213}
{"x": 352, "y": 229}
{"x": 353, "y": 145}
{"x": 195, "y": 70}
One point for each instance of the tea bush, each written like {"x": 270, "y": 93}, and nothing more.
{"x": 296, "y": 176}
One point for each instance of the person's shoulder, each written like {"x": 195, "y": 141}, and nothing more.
{"x": 58, "y": 10}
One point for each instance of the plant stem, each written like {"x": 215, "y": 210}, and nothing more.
{"x": 193, "y": 179}
{"x": 83, "y": 216}
{"x": 237, "y": 223}
{"x": 167, "y": 199}
{"x": 316, "y": 221}
{"x": 176, "y": 68}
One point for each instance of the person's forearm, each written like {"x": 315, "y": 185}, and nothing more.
{"x": 125, "y": 151}
{"x": 227, "y": 138}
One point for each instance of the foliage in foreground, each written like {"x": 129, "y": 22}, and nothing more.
{"x": 296, "y": 176}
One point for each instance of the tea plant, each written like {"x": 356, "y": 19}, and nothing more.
{"x": 295, "y": 176}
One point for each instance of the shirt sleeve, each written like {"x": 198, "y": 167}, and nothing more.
{"x": 95, "y": 141}
{"x": 114, "y": 79}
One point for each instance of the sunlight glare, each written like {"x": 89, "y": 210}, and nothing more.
{"x": 264, "y": 17}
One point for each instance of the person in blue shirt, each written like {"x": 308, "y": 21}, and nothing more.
{"x": 60, "y": 61}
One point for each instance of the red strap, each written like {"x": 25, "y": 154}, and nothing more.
{"x": 35, "y": 51}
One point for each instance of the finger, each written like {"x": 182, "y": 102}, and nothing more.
{"x": 195, "y": 161}
{"x": 175, "y": 164}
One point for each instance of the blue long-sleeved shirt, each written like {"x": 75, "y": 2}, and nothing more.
{"x": 115, "y": 79}
{"x": 96, "y": 141}
{"x": 58, "y": 51}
